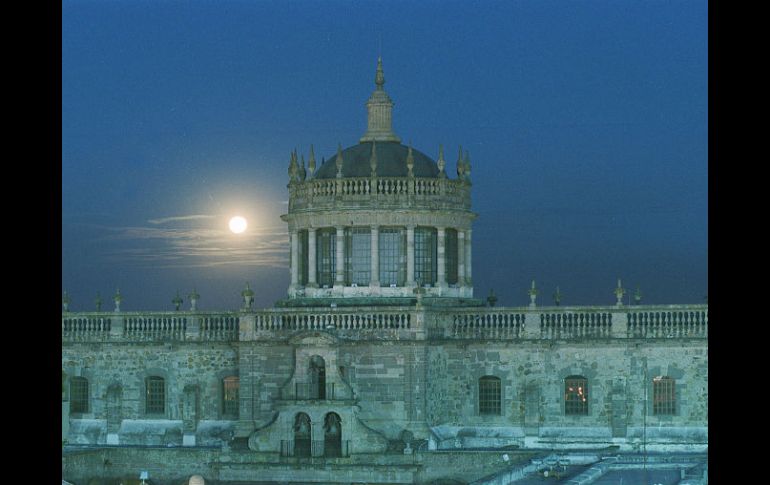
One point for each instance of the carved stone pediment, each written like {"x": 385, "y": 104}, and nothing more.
{"x": 313, "y": 339}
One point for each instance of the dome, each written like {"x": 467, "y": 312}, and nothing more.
{"x": 391, "y": 162}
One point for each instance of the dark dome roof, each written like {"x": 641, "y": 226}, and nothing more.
{"x": 391, "y": 162}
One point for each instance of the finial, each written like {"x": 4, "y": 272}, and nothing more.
{"x": 619, "y": 292}
{"x": 460, "y": 164}
{"x": 117, "y": 299}
{"x": 98, "y": 302}
{"x": 302, "y": 172}
{"x": 467, "y": 165}
{"x": 248, "y": 296}
{"x": 293, "y": 167}
{"x": 177, "y": 301}
{"x": 532, "y": 295}
{"x": 65, "y": 302}
{"x": 379, "y": 78}
{"x": 410, "y": 160}
{"x": 311, "y": 162}
{"x": 373, "y": 159}
{"x": 492, "y": 299}
{"x": 338, "y": 161}
{"x": 441, "y": 162}
{"x": 557, "y": 297}
{"x": 194, "y": 296}
{"x": 637, "y": 296}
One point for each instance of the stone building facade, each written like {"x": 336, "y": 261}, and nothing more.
{"x": 380, "y": 352}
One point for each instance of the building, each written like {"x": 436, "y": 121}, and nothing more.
{"x": 379, "y": 366}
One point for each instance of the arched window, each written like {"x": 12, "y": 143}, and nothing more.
{"x": 663, "y": 397}
{"x": 155, "y": 388}
{"x": 230, "y": 388}
{"x": 489, "y": 395}
{"x": 317, "y": 373}
{"x": 78, "y": 395}
{"x": 332, "y": 435}
{"x": 576, "y": 395}
{"x": 301, "y": 435}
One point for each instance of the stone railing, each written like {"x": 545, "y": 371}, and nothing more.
{"x": 395, "y": 323}
{"x": 378, "y": 192}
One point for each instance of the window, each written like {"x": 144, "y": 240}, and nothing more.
{"x": 326, "y": 256}
{"x": 663, "y": 398}
{"x": 489, "y": 395}
{"x": 425, "y": 255}
{"x": 392, "y": 245}
{"x": 230, "y": 387}
{"x": 156, "y": 395}
{"x": 358, "y": 254}
{"x": 78, "y": 395}
{"x": 302, "y": 257}
{"x": 451, "y": 256}
{"x": 576, "y": 395}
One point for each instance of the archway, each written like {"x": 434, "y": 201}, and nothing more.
{"x": 317, "y": 377}
{"x": 332, "y": 435}
{"x": 302, "y": 435}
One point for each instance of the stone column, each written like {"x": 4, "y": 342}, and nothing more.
{"x": 374, "y": 280}
{"x": 339, "y": 278}
{"x": 441, "y": 256}
{"x": 410, "y": 256}
{"x": 468, "y": 259}
{"x": 460, "y": 257}
{"x": 294, "y": 260}
{"x": 311, "y": 265}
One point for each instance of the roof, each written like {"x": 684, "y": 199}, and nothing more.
{"x": 391, "y": 162}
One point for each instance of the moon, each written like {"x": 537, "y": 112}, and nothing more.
{"x": 238, "y": 224}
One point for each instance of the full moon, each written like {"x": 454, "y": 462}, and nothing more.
{"x": 238, "y": 224}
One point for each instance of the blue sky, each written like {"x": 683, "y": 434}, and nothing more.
{"x": 586, "y": 124}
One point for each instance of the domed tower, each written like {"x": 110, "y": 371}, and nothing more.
{"x": 379, "y": 219}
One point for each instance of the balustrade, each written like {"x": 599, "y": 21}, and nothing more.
{"x": 683, "y": 323}
{"x": 576, "y": 325}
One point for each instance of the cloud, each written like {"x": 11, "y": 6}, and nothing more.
{"x": 192, "y": 217}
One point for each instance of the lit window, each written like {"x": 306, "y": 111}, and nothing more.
{"x": 663, "y": 397}
{"x": 489, "y": 395}
{"x": 230, "y": 387}
{"x": 156, "y": 395}
{"x": 576, "y": 395}
{"x": 78, "y": 395}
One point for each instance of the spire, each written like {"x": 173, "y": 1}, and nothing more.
{"x": 338, "y": 161}
{"x": 460, "y": 164}
{"x": 380, "y": 111}
{"x": 441, "y": 162}
{"x": 373, "y": 159}
{"x": 467, "y": 165}
{"x": 311, "y": 162}
{"x": 302, "y": 172}
{"x": 293, "y": 167}
{"x": 410, "y": 161}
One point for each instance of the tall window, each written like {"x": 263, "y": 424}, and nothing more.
{"x": 575, "y": 395}
{"x": 78, "y": 395}
{"x": 489, "y": 395}
{"x": 663, "y": 398}
{"x": 425, "y": 255}
{"x": 230, "y": 388}
{"x": 302, "y": 257}
{"x": 156, "y": 395}
{"x": 450, "y": 256}
{"x": 326, "y": 256}
{"x": 358, "y": 254}
{"x": 392, "y": 245}
{"x": 302, "y": 435}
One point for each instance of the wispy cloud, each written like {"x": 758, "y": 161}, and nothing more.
{"x": 192, "y": 217}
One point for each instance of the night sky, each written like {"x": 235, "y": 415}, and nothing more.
{"x": 586, "y": 123}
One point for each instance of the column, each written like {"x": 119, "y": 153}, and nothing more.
{"x": 311, "y": 265}
{"x": 441, "y": 256}
{"x": 410, "y": 256}
{"x": 294, "y": 259}
{"x": 339, "y": 278}
{"x": 374, "y": 281}
{"x": 460, "y": 258}
{"x": 468, "y": 258}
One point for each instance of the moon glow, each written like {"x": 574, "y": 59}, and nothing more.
{"x": 238, "y": 224}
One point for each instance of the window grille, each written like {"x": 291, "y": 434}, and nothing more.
{"x": 326, "y": 256}
{"x": 302, "y": 257}
{"x": 576, "y": 395}
{"x": 450, "y": 255}
{"x": 663, "y": 398}
{"x": 489, "y": 395}
{"x": 230, "y": 387}
{"x": 358, "y": 254}
{"x": 392, "y": 245}
{"x": 425, "y": 267}
{"x": 156, "y": 395}
{"x": 78, "y": 395}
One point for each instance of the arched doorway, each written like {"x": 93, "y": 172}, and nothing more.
{"x": 302, "y": 435}
{"x": 317, "y": 377}
{"x": 332, "y": 435}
